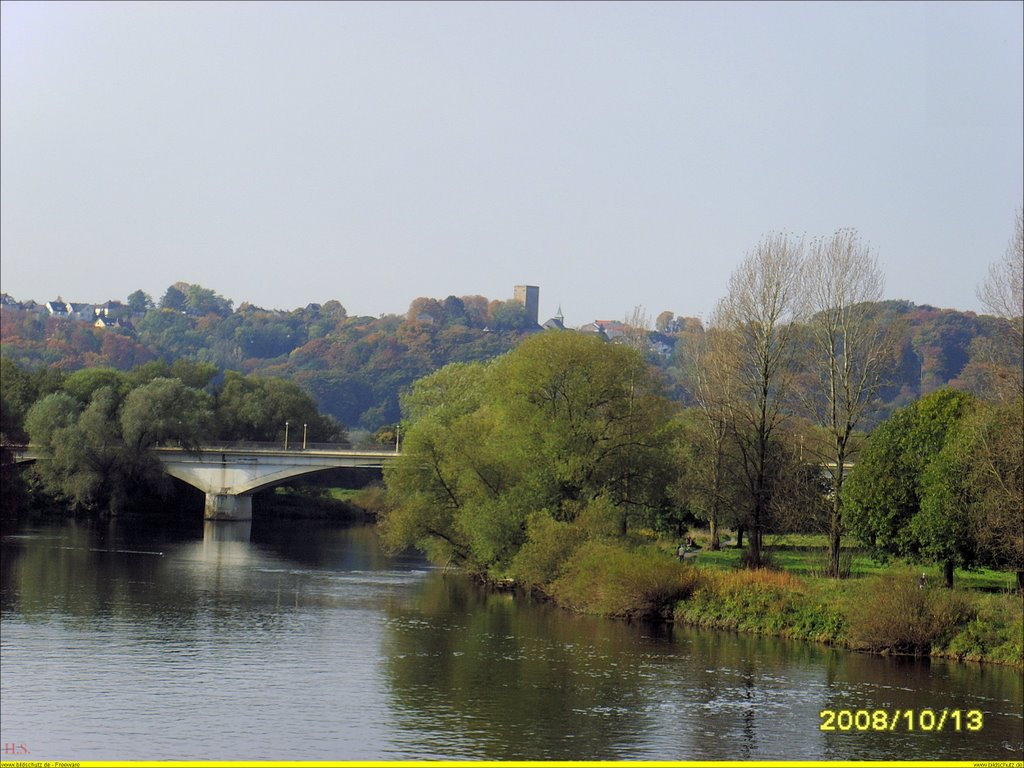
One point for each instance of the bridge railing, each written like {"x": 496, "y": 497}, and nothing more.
{"x": 276, "y": 446}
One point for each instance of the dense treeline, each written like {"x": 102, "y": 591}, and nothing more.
{"x": 96, "y": 426}
{"x": 566, "y": 449}
{"x": 357, "y": 367}
{"x": 354, "y": 366}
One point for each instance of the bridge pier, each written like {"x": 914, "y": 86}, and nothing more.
{"x": 226, "y": 506}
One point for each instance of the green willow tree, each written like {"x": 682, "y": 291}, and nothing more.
{"x": 562, "y": 425}
{"x": 97, "y": 455}
{"x": 20, "y": 389}
{"x": 96, "y": 431}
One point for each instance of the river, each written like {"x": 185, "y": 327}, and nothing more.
{"x": 299, "y": 640}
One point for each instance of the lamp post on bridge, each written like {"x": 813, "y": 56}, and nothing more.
{"x": 303, "y": 437}
{"x": 286, "y": 435}
{"x": 398, "y": 436}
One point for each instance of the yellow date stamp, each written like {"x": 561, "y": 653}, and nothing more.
{"x": 843, "y": 720}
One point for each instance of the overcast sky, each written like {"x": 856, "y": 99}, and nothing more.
{"x": 614, "y": 154}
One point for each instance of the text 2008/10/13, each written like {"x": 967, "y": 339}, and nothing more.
{"x": 901, "y": 719}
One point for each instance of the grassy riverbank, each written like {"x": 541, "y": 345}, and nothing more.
{"x": 884, "y": 613}
{"x": 879, "y": 608}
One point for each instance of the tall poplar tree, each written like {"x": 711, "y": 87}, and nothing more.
{"x": 849, "y": 351}
{"x": 757, "y": 322}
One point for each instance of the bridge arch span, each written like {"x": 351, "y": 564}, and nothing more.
{"x": 229, "y": 477}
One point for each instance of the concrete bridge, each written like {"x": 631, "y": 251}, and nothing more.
{"x": 229, "y": 476}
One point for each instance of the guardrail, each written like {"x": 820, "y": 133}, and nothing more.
{"x": 241, "y": 445}
{"x": 253, "y": 445}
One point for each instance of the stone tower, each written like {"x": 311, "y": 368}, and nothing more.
{"x": 529, "y": 297}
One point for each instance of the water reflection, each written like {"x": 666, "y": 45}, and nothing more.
{"x": 226, "y": 544}
{"x": 507, "y": 683}
{"x": 474, "y": 668}
{"x": 298, "y": 640}
{"x": 227, "y": 531}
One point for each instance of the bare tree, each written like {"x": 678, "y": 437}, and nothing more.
{"x": 637, "y": 330}
{"x": 712, "y": 480}
{"x": 635, "y": 335}
{"x": 759, "y": 316}
{"x": 849, "y": 352}
{"x": 1002, "y": 294}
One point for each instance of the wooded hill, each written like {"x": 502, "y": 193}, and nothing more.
{"x": 357, "y": 367}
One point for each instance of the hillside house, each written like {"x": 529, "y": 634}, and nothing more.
{"x": 69, "y": 310}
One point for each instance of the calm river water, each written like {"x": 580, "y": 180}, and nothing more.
{"x": 304, "y": 641}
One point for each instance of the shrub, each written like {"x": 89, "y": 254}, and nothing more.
{"x": 608, "y": 579}
{"x": 762, "y": 600}
{"x": 599, "y": 518}
{"x": 950, "y": 610}
{"x": 372, "y": 498}
{"x": 549, "y": 544}
{"x": 897, "y": 616}
{"x": 995, "y": 633}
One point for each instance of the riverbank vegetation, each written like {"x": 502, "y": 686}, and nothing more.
{"x": 563, "y": 467}
{"x": 881, "y": 608}
{"x": 308, "y": 502}
{"x": 486, "y": 482}
{"x": 888, "y": 612}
